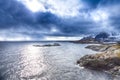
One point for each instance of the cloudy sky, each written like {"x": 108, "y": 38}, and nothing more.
{"x": 57, "y": 19}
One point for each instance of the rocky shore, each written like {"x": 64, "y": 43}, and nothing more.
{"x": 107, "y": 59}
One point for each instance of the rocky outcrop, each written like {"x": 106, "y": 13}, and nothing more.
{"x": 108, "y": 60}
{"x": 99, "y": 63}
{"x": 98, "y": 47}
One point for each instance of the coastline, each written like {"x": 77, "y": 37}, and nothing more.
{"x": 106, "y": 59}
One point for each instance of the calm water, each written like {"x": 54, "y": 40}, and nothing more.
{"x": 23, "y": 61}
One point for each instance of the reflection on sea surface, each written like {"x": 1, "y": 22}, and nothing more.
{"x": 23, "y": 61}
{"x": 32, "y": 62}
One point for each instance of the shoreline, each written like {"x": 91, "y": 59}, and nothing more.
{"x": 106, "y": 59}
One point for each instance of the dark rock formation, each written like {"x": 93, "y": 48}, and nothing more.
{"x": 99, "y": 48}
{"x": 108, "y": 60}
{"x": 96, "y": 63}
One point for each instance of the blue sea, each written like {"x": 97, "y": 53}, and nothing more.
{"x": 24, "y": 61}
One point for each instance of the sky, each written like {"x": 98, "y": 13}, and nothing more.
{"x": 26, "y": 20}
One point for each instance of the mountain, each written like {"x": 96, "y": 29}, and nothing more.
{"x": 102, "y": 37}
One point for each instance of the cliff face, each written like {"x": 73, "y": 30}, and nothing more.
{"x": 108, "y": 59}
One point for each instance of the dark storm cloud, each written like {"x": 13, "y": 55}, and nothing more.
{"x": 92, "y": 3}
{"x": 17, "y": 20}
{"x": 14, "y": 14}
{"x": 95, "y": 3}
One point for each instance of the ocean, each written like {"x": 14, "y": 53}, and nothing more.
{"x": 24, "y": 61}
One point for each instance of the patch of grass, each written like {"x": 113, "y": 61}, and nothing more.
{"x": 116, "y": 46}
{"x": 118, "y": 53}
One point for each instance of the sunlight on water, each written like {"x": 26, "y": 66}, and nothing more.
{"x": 32, "y": 60}
{"x": 23, "y": 61}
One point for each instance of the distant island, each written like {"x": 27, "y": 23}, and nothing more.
{"x": 47, "y": 45}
